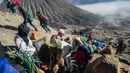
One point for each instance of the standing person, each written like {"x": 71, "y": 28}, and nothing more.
{"x": 10, "y": 5}
{"x": 23, "y": 41}
{"x": 43, "y": 21}
{"x": 26, "y": 16}
{"x": 121, "y": 47}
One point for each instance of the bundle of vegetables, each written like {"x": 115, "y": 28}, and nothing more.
{"x": 25, "y": 59}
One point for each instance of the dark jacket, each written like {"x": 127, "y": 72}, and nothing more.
{"x": 2, "y": 51}
{"x": 24, "y": 12}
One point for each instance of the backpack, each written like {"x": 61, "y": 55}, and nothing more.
{"x": 5, "y": 67}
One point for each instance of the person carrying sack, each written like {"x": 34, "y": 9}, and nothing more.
{"x": 43, "y": 21}
{"x": 26, "y": 16}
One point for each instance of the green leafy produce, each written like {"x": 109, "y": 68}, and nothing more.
{"x": 25, "y": 59}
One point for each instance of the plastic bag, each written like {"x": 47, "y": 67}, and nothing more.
{"x": 5, "y": 67}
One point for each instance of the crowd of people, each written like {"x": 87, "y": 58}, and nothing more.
{"x": 51, "y": 53}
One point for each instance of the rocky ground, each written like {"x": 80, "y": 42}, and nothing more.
{"x": 8, "y": 27}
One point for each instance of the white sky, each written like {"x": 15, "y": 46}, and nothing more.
{"x": 1, "y": 1}
{"x": 120, "y": 7}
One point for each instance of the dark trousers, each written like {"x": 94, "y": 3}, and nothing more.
{"x": 45, "y": 27}
{"x": 13, "y": 10}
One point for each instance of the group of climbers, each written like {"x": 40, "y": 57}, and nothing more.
{"x": 85, "y": 51}
{"x": 50, "y": 54}
{"x": 27, "y": 18}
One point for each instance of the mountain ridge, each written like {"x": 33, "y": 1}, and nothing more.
{"x": 60, "y": 11}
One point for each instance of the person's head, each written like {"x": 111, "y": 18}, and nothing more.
{"x": 67, "y": 39}
{"x": 55, "y": 45}
{"x": 37, "y": 13}
{"x": 61, "y": 32}
{"x": 23, "y": 30}
{"x": 89, "y": 41}
{"x": 81, "y": 33}
{"x": 61, "y": 62}
{"x": 17, "y": 2}
{"x": 44, "y": 66}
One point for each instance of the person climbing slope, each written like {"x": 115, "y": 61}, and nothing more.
{"x": 43, "y": 21}
{"x": 11, "y": 5}
{"x": 26, "y": 16}
{"x": 121, "y": 47}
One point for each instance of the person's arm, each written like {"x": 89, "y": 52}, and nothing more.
{"x": 62, "y": 66}
{"x": 91, "y": 48}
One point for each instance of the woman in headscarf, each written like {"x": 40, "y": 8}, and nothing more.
{"x": 23, "y": 41}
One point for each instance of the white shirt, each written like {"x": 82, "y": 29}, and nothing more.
{"x": 23, "y": 47}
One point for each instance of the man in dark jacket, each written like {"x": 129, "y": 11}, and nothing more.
{"x": 121, "y": 47}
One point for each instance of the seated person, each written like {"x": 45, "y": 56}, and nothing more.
{"x": 23, "y": 41}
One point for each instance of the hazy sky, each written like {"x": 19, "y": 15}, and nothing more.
{"x": 121, "y": 7}
{"x": 1, "y": 1}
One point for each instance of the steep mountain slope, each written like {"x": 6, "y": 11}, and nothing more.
{"x": 8, "y": 28}
{"x": 63, "y": 14}
{"x": 61, "y": 11}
